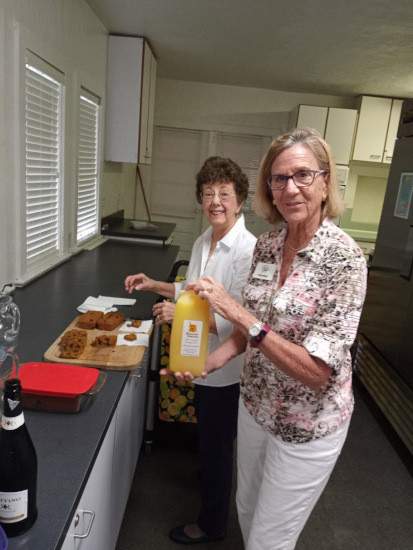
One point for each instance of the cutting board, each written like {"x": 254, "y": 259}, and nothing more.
{"x": 113, "y": 358}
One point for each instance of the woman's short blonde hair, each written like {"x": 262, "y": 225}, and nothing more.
{"x": 331, "y": 207}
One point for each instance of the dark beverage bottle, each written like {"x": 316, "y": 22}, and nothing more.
{"x": 18, "y": 465}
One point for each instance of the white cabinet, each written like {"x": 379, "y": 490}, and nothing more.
{"x": 91, "y": 526}
{"x": 377, "y": 129}
{"x": 98, "y": 517}
{"x": 310, "y": 116}
{"x": 339, "y": 134}
{"x": 130, "y": 100}
{"x": 147, "y": 106}
{"x": 336, "y": 125}
{"x": 396, "y": 108}
{"x": 128, "y": 441}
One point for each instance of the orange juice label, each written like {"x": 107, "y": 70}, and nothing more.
{"x": 191, "y": 338}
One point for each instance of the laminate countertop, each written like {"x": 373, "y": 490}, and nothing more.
{"x": 67, "y": 444}
{"x": 158, "y": 232}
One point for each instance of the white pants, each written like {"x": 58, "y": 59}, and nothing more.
{"x": 279, "y": 483}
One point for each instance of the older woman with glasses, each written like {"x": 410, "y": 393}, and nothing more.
{"x": 224, "y": 251}
{"x": 302, "y": 305}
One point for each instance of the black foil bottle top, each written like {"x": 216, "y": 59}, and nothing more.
{"x": 12, "y": 398}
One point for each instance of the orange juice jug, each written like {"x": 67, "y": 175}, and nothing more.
{"x": 189, "y": 336}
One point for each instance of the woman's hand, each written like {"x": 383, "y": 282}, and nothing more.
{"x": 219, "y": 299}
{"x": 180, "y": 376}
{"x": 163, "y": 312}
{"x": 212, "y": 364}
{"x": 139, "y": 281}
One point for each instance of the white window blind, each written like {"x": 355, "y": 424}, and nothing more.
{"x": 43, "y": 151}
{"x": 87, "y": 168}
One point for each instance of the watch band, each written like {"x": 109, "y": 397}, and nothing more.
{"x": 256, "y": 340}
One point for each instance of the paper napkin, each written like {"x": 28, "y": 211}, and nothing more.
{"x": 141, "y": 340}
{"x": 144, "y": 328}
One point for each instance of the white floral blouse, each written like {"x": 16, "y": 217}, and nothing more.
{"x": 319, "y": 308}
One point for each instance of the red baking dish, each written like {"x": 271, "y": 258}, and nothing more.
{"x": 57, "y": 387}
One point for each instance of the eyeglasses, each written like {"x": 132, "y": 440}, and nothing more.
{"x": 224, "y": 196}
{"x": 302, "y": 178}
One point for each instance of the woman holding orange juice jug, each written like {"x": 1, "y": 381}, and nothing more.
{"x": 224, "y": 251}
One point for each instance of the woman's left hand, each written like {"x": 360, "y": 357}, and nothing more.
{"x": 163, "y": 312}
{"x": 219, "y": 299}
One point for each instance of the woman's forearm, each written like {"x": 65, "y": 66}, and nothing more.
{"x": 164, "y": 289}
{"x": 291, "y": 358}
{"x": 295, "y": 361}
{"x": 233, "y": 346}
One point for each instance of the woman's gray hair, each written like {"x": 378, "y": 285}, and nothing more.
{"x": 263, "y": 203}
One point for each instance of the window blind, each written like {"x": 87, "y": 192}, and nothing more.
{"x": 43, "y": 150}
{"x": 87, "y": 168}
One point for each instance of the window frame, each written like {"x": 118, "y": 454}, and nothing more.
{"x": 26, "y": 269}
{"x": 97, "y": 101}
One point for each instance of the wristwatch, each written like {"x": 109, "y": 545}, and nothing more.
{"x": 257, "y": 333}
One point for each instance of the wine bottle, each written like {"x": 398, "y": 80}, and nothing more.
{"x": 18, "y": 465}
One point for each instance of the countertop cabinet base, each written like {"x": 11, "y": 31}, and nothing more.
{"x": 98, "y": 517}
{"x": 91, "y": 528}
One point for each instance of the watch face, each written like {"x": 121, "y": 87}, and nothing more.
{"x": 254, "y": 330}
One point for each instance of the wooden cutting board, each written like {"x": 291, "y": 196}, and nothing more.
{"x": 113, "y": 358}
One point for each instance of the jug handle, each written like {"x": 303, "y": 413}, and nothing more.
{"x": 16, "y": 317}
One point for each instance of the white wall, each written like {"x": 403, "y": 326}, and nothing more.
{"x": 362, "y": 170}
{"x": 210, "y": 107}
{"x": 201, "y": 106}
{"x": 68, "y": 35}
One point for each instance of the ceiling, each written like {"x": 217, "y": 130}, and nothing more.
{"x": 341, "y": 47}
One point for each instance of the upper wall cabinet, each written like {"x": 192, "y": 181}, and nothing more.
{"x": 341, "y": 124}
{"x": 310, "y": 116}
{"x": 130, "y": 100}
{"x": 334, "y": 124}
{"x": 377, "y": 129}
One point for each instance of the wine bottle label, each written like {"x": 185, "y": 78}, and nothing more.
{"x": 12, "y": 422}
{"x": 191, "y": 338}
{"x": 13, "y": 506}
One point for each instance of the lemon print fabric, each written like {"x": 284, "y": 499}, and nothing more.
{"x": 176, "y": 399}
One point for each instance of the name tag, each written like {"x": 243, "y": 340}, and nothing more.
{"x": 264, "y": 271}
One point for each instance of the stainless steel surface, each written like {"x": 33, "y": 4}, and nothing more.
{"x": 384, "y": 357}
{"x": 391, "y": 394}
{"x": 388, "y": 311}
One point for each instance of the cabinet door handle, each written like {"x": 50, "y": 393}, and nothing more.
{"x": 375, "y": 156}
{"x": 89, "y": 527}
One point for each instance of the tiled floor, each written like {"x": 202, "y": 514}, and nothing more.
{"x": 367, "y": 505}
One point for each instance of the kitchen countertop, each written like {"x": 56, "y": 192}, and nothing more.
{"x": 67, "y": 444}
{"x": 116, "y": 226}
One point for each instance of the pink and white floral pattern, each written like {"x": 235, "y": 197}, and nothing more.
{"x": 318, "y": 307}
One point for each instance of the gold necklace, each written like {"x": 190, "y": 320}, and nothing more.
{"x": 292, "y": 248}
{"x": 299, "y": 248}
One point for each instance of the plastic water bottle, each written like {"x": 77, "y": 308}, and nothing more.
{"x": 9, "y": 332}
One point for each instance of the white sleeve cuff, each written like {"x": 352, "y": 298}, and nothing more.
{"x": 178, "y": 287}
{"x": 224, "y": 328}
{"x": 320, "y": 348}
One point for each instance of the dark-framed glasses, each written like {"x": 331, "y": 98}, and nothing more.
{"x": 209, "y": 195}
{"x": 301, "y": 178}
